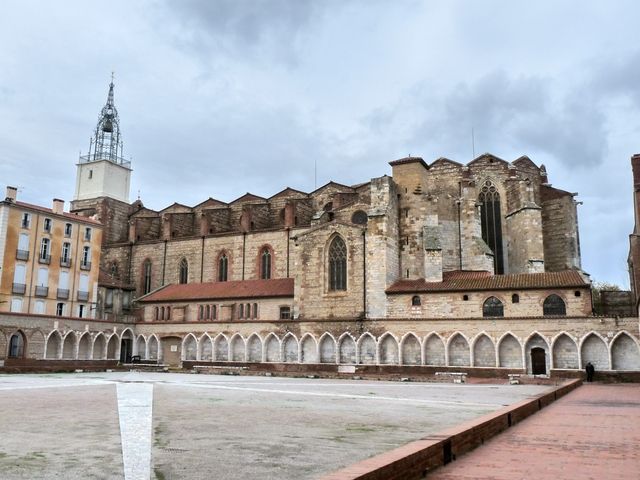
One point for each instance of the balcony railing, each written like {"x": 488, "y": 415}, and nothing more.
{"x": 19, "y": 288}
{"x": 65, "y": 262}
{"x": 22, "y": 254}
{"x": 62, "y": 294}
{"x": 41, "y": 291}
{"x": 44, "y": 259}
{"x": 85, "y": 265}
{"x": 83, "y": 296}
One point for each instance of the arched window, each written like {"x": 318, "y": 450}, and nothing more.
{"x": 200, "y": 312}
{"x": 184, "y": 271}
{"x": 491, "y": 220}
{"x": 114, "y": 267}
{"x": 241, "y": 310}
{"x": 515, "y": 298}
{"x": 16, "y": 346}
{"x": 161, "y": 313}
{"x": 214, "y": 312}
{"x": 554, "y": 305}
{"x": 168, "y": 313}
{"x": 265, "y": 264}
{"x": 207, "y": 313}
{"x": 255, "y": 310}
{"x": 223, "y": 266}
{"x": 415, "y": 301}
{"x": 146, "y": 276}
{"x": 492, "y": 308}
{"x": 337, "y": 265}
{"x": 359, "y": 217}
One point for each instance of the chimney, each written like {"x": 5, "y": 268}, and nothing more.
{"x": 58, "y": 206}
{"x": 12, "y": 193}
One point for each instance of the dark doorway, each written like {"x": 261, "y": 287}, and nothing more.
{"x": 16, "y": 346}
{"x": 538, "y": 361}
{"x": 126, "y": 348}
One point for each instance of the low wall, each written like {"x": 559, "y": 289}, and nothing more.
{"x": 416, "y": 459}
{"x": 28, "y": 365}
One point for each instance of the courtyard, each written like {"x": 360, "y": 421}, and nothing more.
{"x": 137, "y": 425}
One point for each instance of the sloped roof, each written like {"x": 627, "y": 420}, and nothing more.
{"x": 551, "y": 193}
{"x": 70, "y": 216}
{"x": 402, "y": 161}
{"x": 278, "y": 287}
{"x": 477, "y": 281}
{"x": 288, "y": 192}
{"x": 248, "y": 197}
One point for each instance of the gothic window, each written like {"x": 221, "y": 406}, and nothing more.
{"x": 359, "y": 217}
{"x": 415, "y": 301}
{"x": 114, "y": 269}
{"x": 554, "y": 305}
{"x": 146, "y": 276}
{"x": 16, "y": 346}
{"x": 184, "y": 271}
{"x": 337, "y": 265}
{"x": 223, "y": 266}
{"x": 265, "y": 264}
{"x": 491, "y": 221}
{"x": 492, "y": 308}
{"x": 255, "y": 310}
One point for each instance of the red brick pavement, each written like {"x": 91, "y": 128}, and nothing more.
{"x": 592, "y": 433}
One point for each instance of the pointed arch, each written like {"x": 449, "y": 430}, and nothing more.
{"x": 84, "y": 347}
{"x": 308, "y": 349}
{"x": 410, "y": 349}
{"x": 509, "y": 351}
{"x": 205, "y": 348}
{"x": 492, "y": 307}
{"x": 265, "y": 260}
{"x": 625, "y": 354}
{"x": 183, "y": 271}
{"x": 484, "y": 351}
{"x": 554, "y": 305}
{"x": 327, "y": 348}
{"x": 388, "y": 350}
{"x": 127, "y": 333}
{"x": 17, "y": 345}
{"x": 189, "y": 347}
{"x": 141, "y": 347}
{"x": 346, "y": 349}
{"x": 112, "y": 347}
{"x": 290, "y": 348}
{"x": 565, "y": 352}
{"x": 238, "y": 348}
{"x": 491, "y": 222}
{"x": 69, "y": 346}
{"x": 593, "y": 348}
{"x": 366, "y": 349}
{"x": 98, "y": 352}
{"x": 35, "y": 345}
{"x": 434, "y": 351}
{"x": 459, "y": 354}
{"x": 221, "y": 348}
{"x": 254, "y": 348}
{"x": 146, "y": 276}
{"x": 152, "y": 347}
{"x": 223, "y": 266}
{"x": 53, "y": 347}
{"x": 272, "y": 348}
{"x": 536, "y": 344}
{"x": 337, "y": 264}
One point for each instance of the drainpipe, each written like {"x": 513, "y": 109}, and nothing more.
{"x": 288, "y": 232}
{"x": 364, "y": 272}
{"x": 244, "y": 246}
{"x": 164, "y": 261}
{"x": 202, "y": 260}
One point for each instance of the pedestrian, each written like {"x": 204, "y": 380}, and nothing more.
{"x": 590, "y": 369}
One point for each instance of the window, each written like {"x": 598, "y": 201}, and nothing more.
{"x": 265, "y": 264}
{"x": 223, "y": 265}
{"x": 146, "y": 276}
{"x": 60, "y": 309}
{"x": 214, "y": 312}
{"x": 65, "y": 256}
{"x": 46, "y": 226}
{"x": 67, "y": 229}
{"x": 359, "y": 217}
{"x": 87, "y": 234}
{"x": 207, "y": 312}
{"x": 200, "y": 312}
{"x": 157, "y": 313}
{"x": 491, "y": 221}
{"x": 184, "y": 271}
{"x": 285, "y": 313}
{"x": 161, "y": 313}
{"x": 337, "y": 265}
{"x": 515, "y": 298}
{"x": 241, "y": 311}
{"x": 168, "y": 313}
{"x": 44, "y": 250}
{"x": 16, "y": 346}
{"x": 108, "y": 298}
{"x": 81, "y": 309}
{"x": 576, "y": 293}
{"x": 126, "y": 300}
{"x": 26, "y": 220}
{"x": 415, "y": 301}
{"x": 492, "y": 308}
{"x": 86, "y": 257}
{"x": 16, "y": 305}
{"x": 40, "y": 307}
{"x": 114, "y": 269}
{"x": 465, "y": 298}
{"x": 554, "y": 305}
{"x": 90, "y": 174}
{"x": 255, "y": 310}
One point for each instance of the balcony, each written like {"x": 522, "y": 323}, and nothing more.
{"x": 44, "y": 259}
{"x": 65, "y": 262}
{"x": 22, "y": 254}
{"x": 83, "y": 296}
{"x": 41, "y": 291}
{"x": 85, "y": 265}
{"x": 62, "y": 294}
{"x": 19, "y": 288}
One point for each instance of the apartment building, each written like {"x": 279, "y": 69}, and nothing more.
{"x": 49, "y": 259}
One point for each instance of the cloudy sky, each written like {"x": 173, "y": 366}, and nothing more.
{"x": 220, "y": 97}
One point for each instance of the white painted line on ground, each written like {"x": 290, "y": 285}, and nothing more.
{"x": 443, "y": 403}
{"x": 56, "y": 385}
{"x": 135, "y": 404}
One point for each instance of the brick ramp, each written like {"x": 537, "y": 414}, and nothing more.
{"x": 417, "y": 459}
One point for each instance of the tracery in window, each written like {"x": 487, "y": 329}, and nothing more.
{"x": 491, "y": 222}
{"x": 337, "y": 265}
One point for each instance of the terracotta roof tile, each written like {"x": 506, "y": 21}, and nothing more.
{"x": 279, "y": 287}
{"x": 70, "y": 216}
{"x": 471, "y": 282}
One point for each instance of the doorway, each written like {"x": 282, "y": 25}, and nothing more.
{"x": 538, "y": 361}
{"x": 126, "y": 348}
{"x": 171, "y": 351}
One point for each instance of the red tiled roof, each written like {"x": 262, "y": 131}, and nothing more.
{"x": 71, "y": 216}
{"x": 519, "y": 281}
{"x": 279, "y": 287}
{"x": 464, "y": 274}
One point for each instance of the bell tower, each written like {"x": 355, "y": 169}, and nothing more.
{"x": 103, "y": 172}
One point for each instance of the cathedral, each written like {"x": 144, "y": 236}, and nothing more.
{"x": 439, "y": 264}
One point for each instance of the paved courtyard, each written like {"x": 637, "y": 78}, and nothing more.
{"x": 180, "y": 426}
